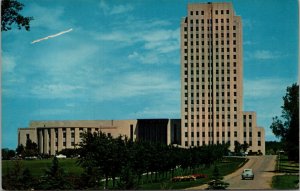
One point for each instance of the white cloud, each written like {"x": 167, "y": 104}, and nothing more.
{"x": 262, "y": 55}
{"x": 8, "y": 63}
{"x": 159, "y": 111}
{"x": 113, "y": 10}
{"x": 265, "y": 55}
{"x": 248, "y": 42}
{"x": 121, "y": 9}
{"x": 49, "y": 112}
{"x": 137, "y": 84}
{"x": 52, "y": 91}
{"x": 45, "y": 17}
{"x": 264, "y": 88}
{"x": 133, "y": 55}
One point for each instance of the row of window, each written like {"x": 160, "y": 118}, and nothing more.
{"x": 217, "y": 101}
{"x": 209, "y": 79}
{"x": 210, "y": 134}
{"x": 210, "y": 42}
{"x": 209, "y": 72}
{"x": 218, "y": 142}
{"x": 208, "y": 64}
{"x": 216, "y": 12}
{"x": 209, "y": 28}
{"x": 245, "y": 116}
{"x": 210, "y": 50}
{"x": 245, "y": 124}
{"x": 203, "y": 86}
{"x": 209, "y": 124}
{"x": 211, "y": 117}
{"x": 217, "y": 94}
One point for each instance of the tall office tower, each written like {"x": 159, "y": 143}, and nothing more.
{"x": 212, "y": 79}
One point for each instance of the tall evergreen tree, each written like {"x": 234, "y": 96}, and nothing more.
{"x": 54, "y": 178}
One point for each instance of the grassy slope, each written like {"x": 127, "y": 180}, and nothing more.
{"x": 286, "y": 181}
{"x": 38, "y": 167}
{"x": 227, "y": 166}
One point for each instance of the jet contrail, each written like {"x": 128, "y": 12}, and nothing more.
{"x": 51, "y": 36}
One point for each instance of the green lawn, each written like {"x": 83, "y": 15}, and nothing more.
{"x": 288, "y": 166}
{"x": 38, "y": 167}
{"x": 285, "y": 182}
{"x": 226, "y": 166}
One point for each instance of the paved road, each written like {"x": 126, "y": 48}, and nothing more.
{"x": 262, "y": 166}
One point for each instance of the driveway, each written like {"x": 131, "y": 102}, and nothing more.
{"x": 263, "y": 168}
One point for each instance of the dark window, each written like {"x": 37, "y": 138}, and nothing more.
{"x": 258, "y": 134}
{"x": 131, "y": 131}
{"x": 235, "y": 134}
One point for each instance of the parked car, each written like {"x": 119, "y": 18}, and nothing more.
{"x": 247, "y": 174}
{"x": 61, "y": 156}
{"x": 31, "y": 158}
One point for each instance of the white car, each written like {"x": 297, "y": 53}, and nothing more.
{"x": 61, "y": 156}
{"x": 247, "y": 174}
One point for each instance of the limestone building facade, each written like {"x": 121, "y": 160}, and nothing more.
{"x": 212, "y": 79}
{"x": 53, "y": 136}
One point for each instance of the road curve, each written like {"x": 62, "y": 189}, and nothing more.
{"x": 263, "y": 168}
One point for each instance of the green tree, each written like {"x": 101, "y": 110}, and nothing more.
{"x": 237, "y": 147}
{"x": 54, "y": 178}
{"x": 18, "y": 178}
{"x": 128, "y": 179}
{"x": 89, "y": 179}
{"x": 69, "y": 152}
{"x": 95, "y": 152}
{"x": 287, "y": 127}
{"x": 216, "y": 182}
{"x": 273, "y": 146}
{"x": 245, "y": 146}
{"x": 31, "y": 148}
{"x": 20, "y": 150}
{"x": 10, "y": 15}
{"x": 7, "y": 154}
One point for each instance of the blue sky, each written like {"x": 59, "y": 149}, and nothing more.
{"x": 121, "y": 61}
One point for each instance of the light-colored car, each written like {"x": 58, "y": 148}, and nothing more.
{"x": 247, "y": 174}
{"x": 61, "y": 156}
